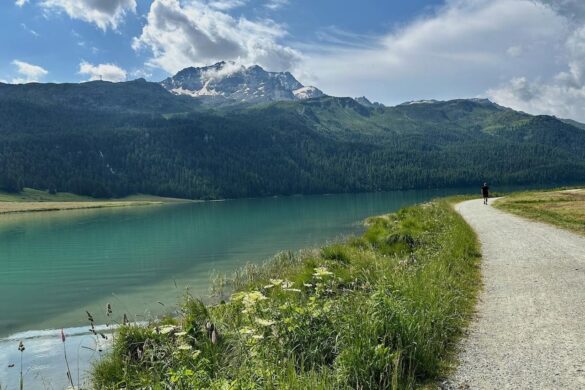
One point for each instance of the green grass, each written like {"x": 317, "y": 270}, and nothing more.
{"x": 380, "y": 311}
{"x": 563, "y": 208}
{"x": 32, "y": 195}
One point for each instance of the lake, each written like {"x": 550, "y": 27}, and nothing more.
{"x": 141, "y": 260}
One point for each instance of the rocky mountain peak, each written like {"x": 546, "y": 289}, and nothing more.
{"x": 236, "y": 82}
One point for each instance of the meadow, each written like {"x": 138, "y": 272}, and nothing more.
{"x": 563, "y": 208}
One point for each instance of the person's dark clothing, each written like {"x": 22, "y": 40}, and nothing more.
{"x": 485, "y": 190}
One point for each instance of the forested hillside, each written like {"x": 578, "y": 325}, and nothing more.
{"x": 105, "y": 139}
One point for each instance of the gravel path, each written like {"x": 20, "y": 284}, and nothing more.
{"x": 530, "y": 327}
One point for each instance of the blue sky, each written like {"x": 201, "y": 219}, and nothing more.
{"x": 526, "y": 54}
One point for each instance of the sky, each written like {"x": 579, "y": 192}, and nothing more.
{"x": 524, "y": 54}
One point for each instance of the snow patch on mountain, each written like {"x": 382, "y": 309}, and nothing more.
{"x": 308, "y": 92}
{"x": 239, "y": 83}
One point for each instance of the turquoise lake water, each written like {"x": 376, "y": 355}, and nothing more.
{"x": 56, "y": 265}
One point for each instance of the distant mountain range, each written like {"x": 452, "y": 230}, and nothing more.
{"x": 228, "y": 131}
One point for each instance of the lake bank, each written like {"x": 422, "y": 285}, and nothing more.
{"x": 293, "y": 321}
{"x": 30, "y": 200}
{"x": 57, "y": 265}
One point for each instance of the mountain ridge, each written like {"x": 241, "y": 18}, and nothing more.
{"x": 113, "y": 139}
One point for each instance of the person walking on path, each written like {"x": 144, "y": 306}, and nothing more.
{"x": 485, "y": 191}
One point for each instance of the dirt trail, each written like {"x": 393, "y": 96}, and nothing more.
{"x": 529, "y": 332}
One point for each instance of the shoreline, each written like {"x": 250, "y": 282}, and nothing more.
{"x": 36, "y": 207}
{"x": 34, "y": 201}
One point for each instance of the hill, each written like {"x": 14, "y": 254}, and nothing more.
{"x": 113, "y": 139}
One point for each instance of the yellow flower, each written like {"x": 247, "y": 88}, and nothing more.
{"x": 252, "y": 297}
{"x": 276, "y": 282}
{"x": 184, "y": 347}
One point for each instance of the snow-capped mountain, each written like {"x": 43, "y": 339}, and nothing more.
{"x": 307, "y": 93}
{"x": 231, "y": 81}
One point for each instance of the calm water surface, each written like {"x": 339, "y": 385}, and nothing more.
{"x": 56, "y": 265}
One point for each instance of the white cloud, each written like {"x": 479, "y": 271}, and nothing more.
{"x": 459, "y": 50}
{"x": 140, "y": 73}
{"x": 21, "y": 3}
{"x": 29, "y": 30}
{"x": 28, "y": 73}
{"x": 276, "y": 4}
{"x": 562, "y": 95}
{"x": 106, "y": 72}
{"x": 224, "y": 5}
{"x": 194, "y": 33}
{"x": 103, "y": 13}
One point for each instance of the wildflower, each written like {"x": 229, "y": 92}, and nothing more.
{"x": 292, "y": 289}
{"x": 184, "y": 347}
{"x": 308, "y": 285}
{"x": 180, "y": 334}
{"x": 321, "y": 272}
{"x": 269, "y": 286}
{"x": 276, "y": 282}
{"x": 287, "y": 284}
{"x": 263, "y": 322}
{"x": 167, "y": 329}
{"x": 249, "y": 299}
{"x": 257, "y": 337}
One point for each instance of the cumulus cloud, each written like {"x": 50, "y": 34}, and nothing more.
{"x": 28, "y": 73}
{"x": 194, "y": 33}
{"x": 103, "y": 13}
{"x": 106, "y": 72}
{"x": 21, "y": 3}
{"x": 572, "y": 9}
{"x": 459, "y": 50}
{"x": 562, "y": 95}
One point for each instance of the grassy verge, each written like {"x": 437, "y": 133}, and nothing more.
{"x": 30, "y": 200}
{"x": 564, "y": 208}
{"x": 381, "y": 311}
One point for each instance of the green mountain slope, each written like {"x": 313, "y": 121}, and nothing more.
{"x": 105, "y": 139}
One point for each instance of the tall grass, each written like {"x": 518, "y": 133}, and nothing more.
{"x": 381, "y": 311}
